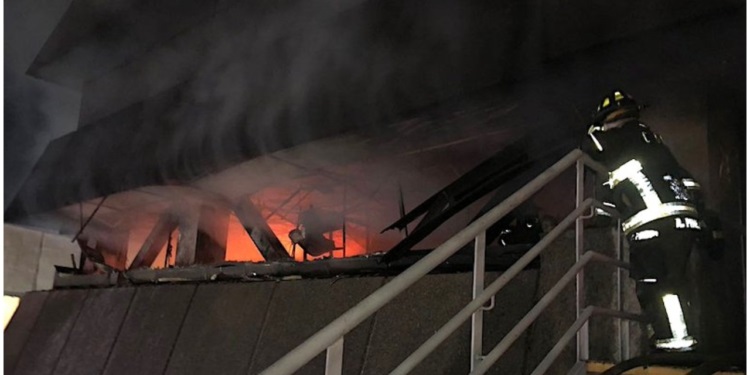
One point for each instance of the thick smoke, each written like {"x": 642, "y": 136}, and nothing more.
{"x": 278, "y": 76}
{"x": 24, "y": 121}
{"x": 239, "y": 80}
{"x": 35, "y": 111}
{"x": 274, "y": 77}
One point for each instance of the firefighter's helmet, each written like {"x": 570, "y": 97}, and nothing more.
{"x": 615, "y": 101}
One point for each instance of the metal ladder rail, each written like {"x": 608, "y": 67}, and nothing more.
{"x": 331, "y": 336}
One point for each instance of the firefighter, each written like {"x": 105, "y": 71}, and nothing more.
{"x": 660, "y": 206}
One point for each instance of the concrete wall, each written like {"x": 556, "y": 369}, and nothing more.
{"x": 30, "y": 257}
{"x": 245, "y": 327}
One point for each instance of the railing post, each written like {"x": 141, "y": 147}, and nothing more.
{"x": 624, "y": 325}
{"x": 335, "y": 358}
{"x": 478, "y": 287}
{"x": 583, "y": 334}
{"x": 618, "y": 297}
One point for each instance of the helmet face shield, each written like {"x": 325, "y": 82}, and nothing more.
{"x": 617, "y": 104}
{"x": 621, "y": 113}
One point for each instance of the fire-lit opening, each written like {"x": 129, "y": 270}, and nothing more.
{"x": 240, "y": 248}
{"x": 282, "y": 215}
{"x": 161, "y": 259}
{"x": 347, "y": 223}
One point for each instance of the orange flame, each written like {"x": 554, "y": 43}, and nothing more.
{"x": 240, "y": 247}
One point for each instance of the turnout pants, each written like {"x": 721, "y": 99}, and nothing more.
{"x": 660, "y": 268}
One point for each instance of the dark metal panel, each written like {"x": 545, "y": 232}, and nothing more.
{"x": 505, "y": 163}
{"x": 221, "y": 329}
{"x": 720, "y": 279}
{"x": 506, "y": 172}
{"x": 51, "y": 331}
{"x": 95, "y": 331}
{"x": 300, "y": 308}
{"x": 17, "y": 331}
{"x": 150, "y": 330}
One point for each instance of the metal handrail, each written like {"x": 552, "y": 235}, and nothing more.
{"x": 537, "y": 310}
{"x": 335, "y": 330}
{"x": 444, "y": 332}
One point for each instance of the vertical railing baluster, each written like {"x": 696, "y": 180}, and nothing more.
{"x": 624, "y": 330}
{"x": 582, "y": 348}
{"x": 618, "y": 298}
{"x": 335, "y": 358}
{"x": 478, "y": 287}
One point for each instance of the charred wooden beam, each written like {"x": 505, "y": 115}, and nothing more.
{"x": 260, "y": 232}
{"x": 213, "y": 228}
{"x": 110, "y": 251}
{"x": 506, "y": 171}
{"x": 186, "y": 245}
{"x": 155, "y": 241}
